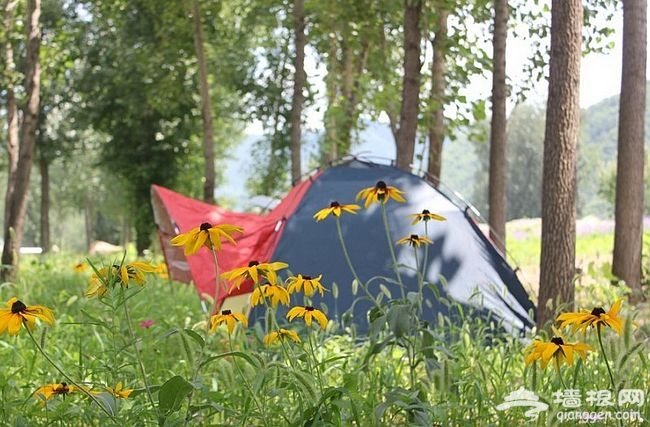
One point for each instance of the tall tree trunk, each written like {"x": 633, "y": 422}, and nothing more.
{"x": 298, "y": 98}
{"x": 11, "y": 108}
{"x": 557, "y": 263}
{"x": 206, "y": 106}
{"x": 44, "y": 168}
{"x": 498, "y": 163}
{"x": 628, "y": 233}
{"x": 13, "y": 231}
{"x": 332, "y": 88}
{"x": 437, "y": 97}
{"x": 408, "y": 122}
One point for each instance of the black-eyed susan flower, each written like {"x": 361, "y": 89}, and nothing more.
{"x": 276, "y": 293}
{"x": 119, "y": 391}
{"x": 254, "y": 271}
{"x": 80, "y": 267}
{"x": 335, "y": 209}
{"x": 380, "y": 193}
{"x": 228, "y": 318}
{"x": 308, "y": 313}
{"x": 161, "y": 271}
{"x": 556, "y": 349}
{"x": 414, "y": 240}
{"x": 133, "y": 272}
{"x": 18, "y": 313}
{"x": 308, "y": 283}
{"x": 206, "y": 235}
{"x": 426, "y": 216}
{"x": 597, "y": 317}
{"x": 99, "y": 281}
{"x": 50, "y": 390}
{"x": 281, "y": 335}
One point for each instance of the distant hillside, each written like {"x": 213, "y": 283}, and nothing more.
{"x": 600, "y": 125}
{"x": 461, "y": 161}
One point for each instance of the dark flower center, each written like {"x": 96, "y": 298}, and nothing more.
{"x": 18, "y": 307}
{"x": 557, "y": 340}
{"x": 597, "y": 311}
{"x": 425, "y": 212}
{"x": 381, "y": 185}
{"x": 205, "y": 226}
{"x": 334, "y": 204}
{"x": 253, "y": 263}
{"x": 309, "y": 308}
{"x": 414, "y": 237}
{"x": 61, "y": 389}
{"x": 306, "y": 277}
{"x": 226, "y": 312}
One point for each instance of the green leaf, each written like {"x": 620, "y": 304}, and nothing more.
{"x": 195, "y": 336}
{"x": 172, "y": 393}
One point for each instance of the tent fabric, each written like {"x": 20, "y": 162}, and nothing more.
{"x": 462, "y": 264}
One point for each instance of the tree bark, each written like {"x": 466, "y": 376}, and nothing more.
{"x": 408, "y": 123}
{"x": 44, "y": 168}
{"x": 437, "y": 97}
{"x": 498, "y": 164}
{"x": 298, "y": 98}
{"x": 557, "y": 263}
{"x": 12, "y": 107}
{"x": 206, "y": 106}
{"x": 13, "y": 231}
{"x": 628, "y": 232}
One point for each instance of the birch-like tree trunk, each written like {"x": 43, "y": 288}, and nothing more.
{"x": 628, "y": 233}
{"x": 498, "y": 164}
{"x": 17, "y": 202}
{"x": 298, "y": 98}
{"x": 557, "y": 261}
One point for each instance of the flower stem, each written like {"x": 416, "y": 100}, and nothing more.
{"x": 216, "y": 284}
{"x": 559, "y": 372}
{"x": 602, "y": 351}
{"x": 384, "y": 216}
{"x": 137, "y": 352}
{"x": 609, "y": 369}
{"x": 349, "y": 261}
{"x": 67, "y": 377}
{"x": 247, "y": 384}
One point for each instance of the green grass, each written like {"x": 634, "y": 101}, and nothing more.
{"x": 455, "y": 374}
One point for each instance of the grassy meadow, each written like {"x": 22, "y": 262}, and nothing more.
{"x": 144, "y": 355}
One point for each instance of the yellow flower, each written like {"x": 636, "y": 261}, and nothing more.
{"x": 335, "y": 209}
{"x": 580, "y": 321}
{"x": 254, "y": 271}
{"x": 106, "y": 278}
{"x": 276, "y": 293}
{"x": 207, "y": 235}
{"x": 414, "y": 240}
{"x": 426, "y": 216}
{"x": 310, "y": 284}
{"x": 80, "y": 267}
{"x": 308, "y": 313}
{"x": 281, "y": 334}
{"x": 133, "y": 272}
{"x": 557, "y": 350}
{"x": 98, "y": 281}
{"x": 229, "y": 318}
{"x": 49, "y": 390}
{"x": 119, "y": 391}
{"x": 17, "y": 313}
{"x": 380, "y": 193}
{"x": 161, "y": 270}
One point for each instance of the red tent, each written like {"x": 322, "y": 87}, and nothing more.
{"x": 175, "y": 213}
